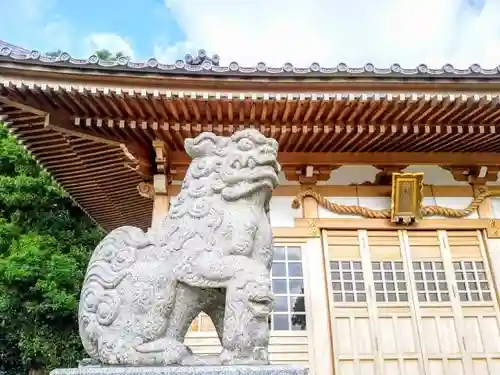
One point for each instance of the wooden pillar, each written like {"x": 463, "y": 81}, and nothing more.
{"x": 318, "y": 318}
{"x": 319, "y": 328}
{"x": 492, "y": 245}
{"x": 161, "y": 183}
{"x": 309, "y": 205}
{"x": 161, "y": 198}
{"x": 478, "y": 179}
{"x": 485, "y": 209}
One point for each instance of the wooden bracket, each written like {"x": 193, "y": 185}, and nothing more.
{"x": 138, "y": 161}
{"x": 308, "y": 175}
{"x": 161, "y": 157}
{"x": 475, "y": 174}
{"x": 146, "y": 190}
{"x": 159, "y": 186}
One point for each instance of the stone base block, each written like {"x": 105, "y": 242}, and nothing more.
{"x": 185, "y": 370}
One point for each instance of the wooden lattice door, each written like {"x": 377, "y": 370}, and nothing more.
{"x": 411, "y": 302}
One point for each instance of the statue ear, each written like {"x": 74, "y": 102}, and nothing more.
{"x": 206, "y": 144}
{"x": 188, "y": 146}
{"x": 202, "y": 145}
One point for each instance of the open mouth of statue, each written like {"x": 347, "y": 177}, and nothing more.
{"x": 262, "y": 174}
{"x": 263, "y": 300}
{"x": 261, "y": 305}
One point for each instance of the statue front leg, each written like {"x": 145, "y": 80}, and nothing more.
{"x": 249, "y": 301}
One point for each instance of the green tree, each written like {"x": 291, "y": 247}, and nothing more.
{"x": 103, "y": 54}
{"x": 45, "y": 244}
{"x": 106, "y": 55}
{"x": 54, "y": 53}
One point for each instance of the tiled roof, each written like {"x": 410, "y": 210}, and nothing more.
{"x": 4, "y": 46}
{"x": 203, "y": 65}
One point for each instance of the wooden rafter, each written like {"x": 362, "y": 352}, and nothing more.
{"x": 61, "y": 125}
{"x": 100, "y": 142}
{"x": 294, "y": 159}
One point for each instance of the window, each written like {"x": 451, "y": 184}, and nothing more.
{"x": 430, "y": 281}
{"x": 287, "y": 280}
{"x": 472, "y": 282}
{"x": 389, "y": 281}
{"x": 347, "y": 281}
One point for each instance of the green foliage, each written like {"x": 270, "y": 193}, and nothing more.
{"x": 54, "y": 53}
{"x": 45, "y": 243}
{"x": 103, "y": 54}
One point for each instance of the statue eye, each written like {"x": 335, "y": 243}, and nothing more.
{"x": 236, "y": 164}
{"x": 245, "y": 144}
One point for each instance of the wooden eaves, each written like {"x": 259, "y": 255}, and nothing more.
{"x": 78, "y": 117}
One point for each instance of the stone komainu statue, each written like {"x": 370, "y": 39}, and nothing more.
{"x": 212, "y": 253}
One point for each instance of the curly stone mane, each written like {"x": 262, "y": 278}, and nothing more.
{"x": 211, "y": 253}
{"x": 222, "y": 169}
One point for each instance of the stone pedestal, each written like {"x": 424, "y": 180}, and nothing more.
{"x": 185, "y": 370}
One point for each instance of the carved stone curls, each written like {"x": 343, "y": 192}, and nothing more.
{"x": 212, "y": 253}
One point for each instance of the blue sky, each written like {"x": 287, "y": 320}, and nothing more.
{"x": 65, "y": 24}
{"x": 382, "y": 32}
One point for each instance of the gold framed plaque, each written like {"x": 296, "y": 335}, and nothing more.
{"x": 407, "y": 197}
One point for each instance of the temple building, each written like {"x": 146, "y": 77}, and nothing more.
{"x": 387, "y": 219}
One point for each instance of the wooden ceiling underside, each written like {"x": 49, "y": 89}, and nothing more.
{"x": 81, "y": 148}
{"x": 92, "y": 173}
{"x": 337, "y": 123}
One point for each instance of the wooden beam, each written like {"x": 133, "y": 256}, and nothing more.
{"x": 382, "y": 224}
{"x": 180, "y": 159}
{"x": 54, "y": 122}
{"x": 59, "y": 123}
{"x": 21, "y": 106}
{"x": 100, "y": 79}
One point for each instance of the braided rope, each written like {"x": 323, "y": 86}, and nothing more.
{"x": 385, "y": 214}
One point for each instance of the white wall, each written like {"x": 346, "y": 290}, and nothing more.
{"x": 495, "y": 207}
{"x": 282, "y": 213}
{"x": 357, "y": 174}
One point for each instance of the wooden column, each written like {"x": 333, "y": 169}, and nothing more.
{"x": 478, "y": 177}
{"x": 161, "y": 183}
{"x": 309, "y": 205}
{"x": 318, "y": 318}
{"x": 485, "y": 209}
{"x": 492, "y": 245}
{"x": 161, "y": 199}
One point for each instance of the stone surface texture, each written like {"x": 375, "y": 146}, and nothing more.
{"x": 187, "y": 370}
{"x": 211, "y": 253}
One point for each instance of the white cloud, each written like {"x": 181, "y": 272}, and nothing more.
{"x": 111, "y": 42}
{"x": 29, "y": 24}
{"x": 171, "y": 53}
{"x": 58, "y": 34}
{"x": 409, "y": 32}
{"x": 38, "y": 24}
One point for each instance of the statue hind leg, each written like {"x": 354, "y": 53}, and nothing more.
{"x": 188, "y": 304}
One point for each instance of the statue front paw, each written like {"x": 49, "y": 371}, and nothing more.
{"x": 256, "y": 357}
{"x": 168, "y": 351}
